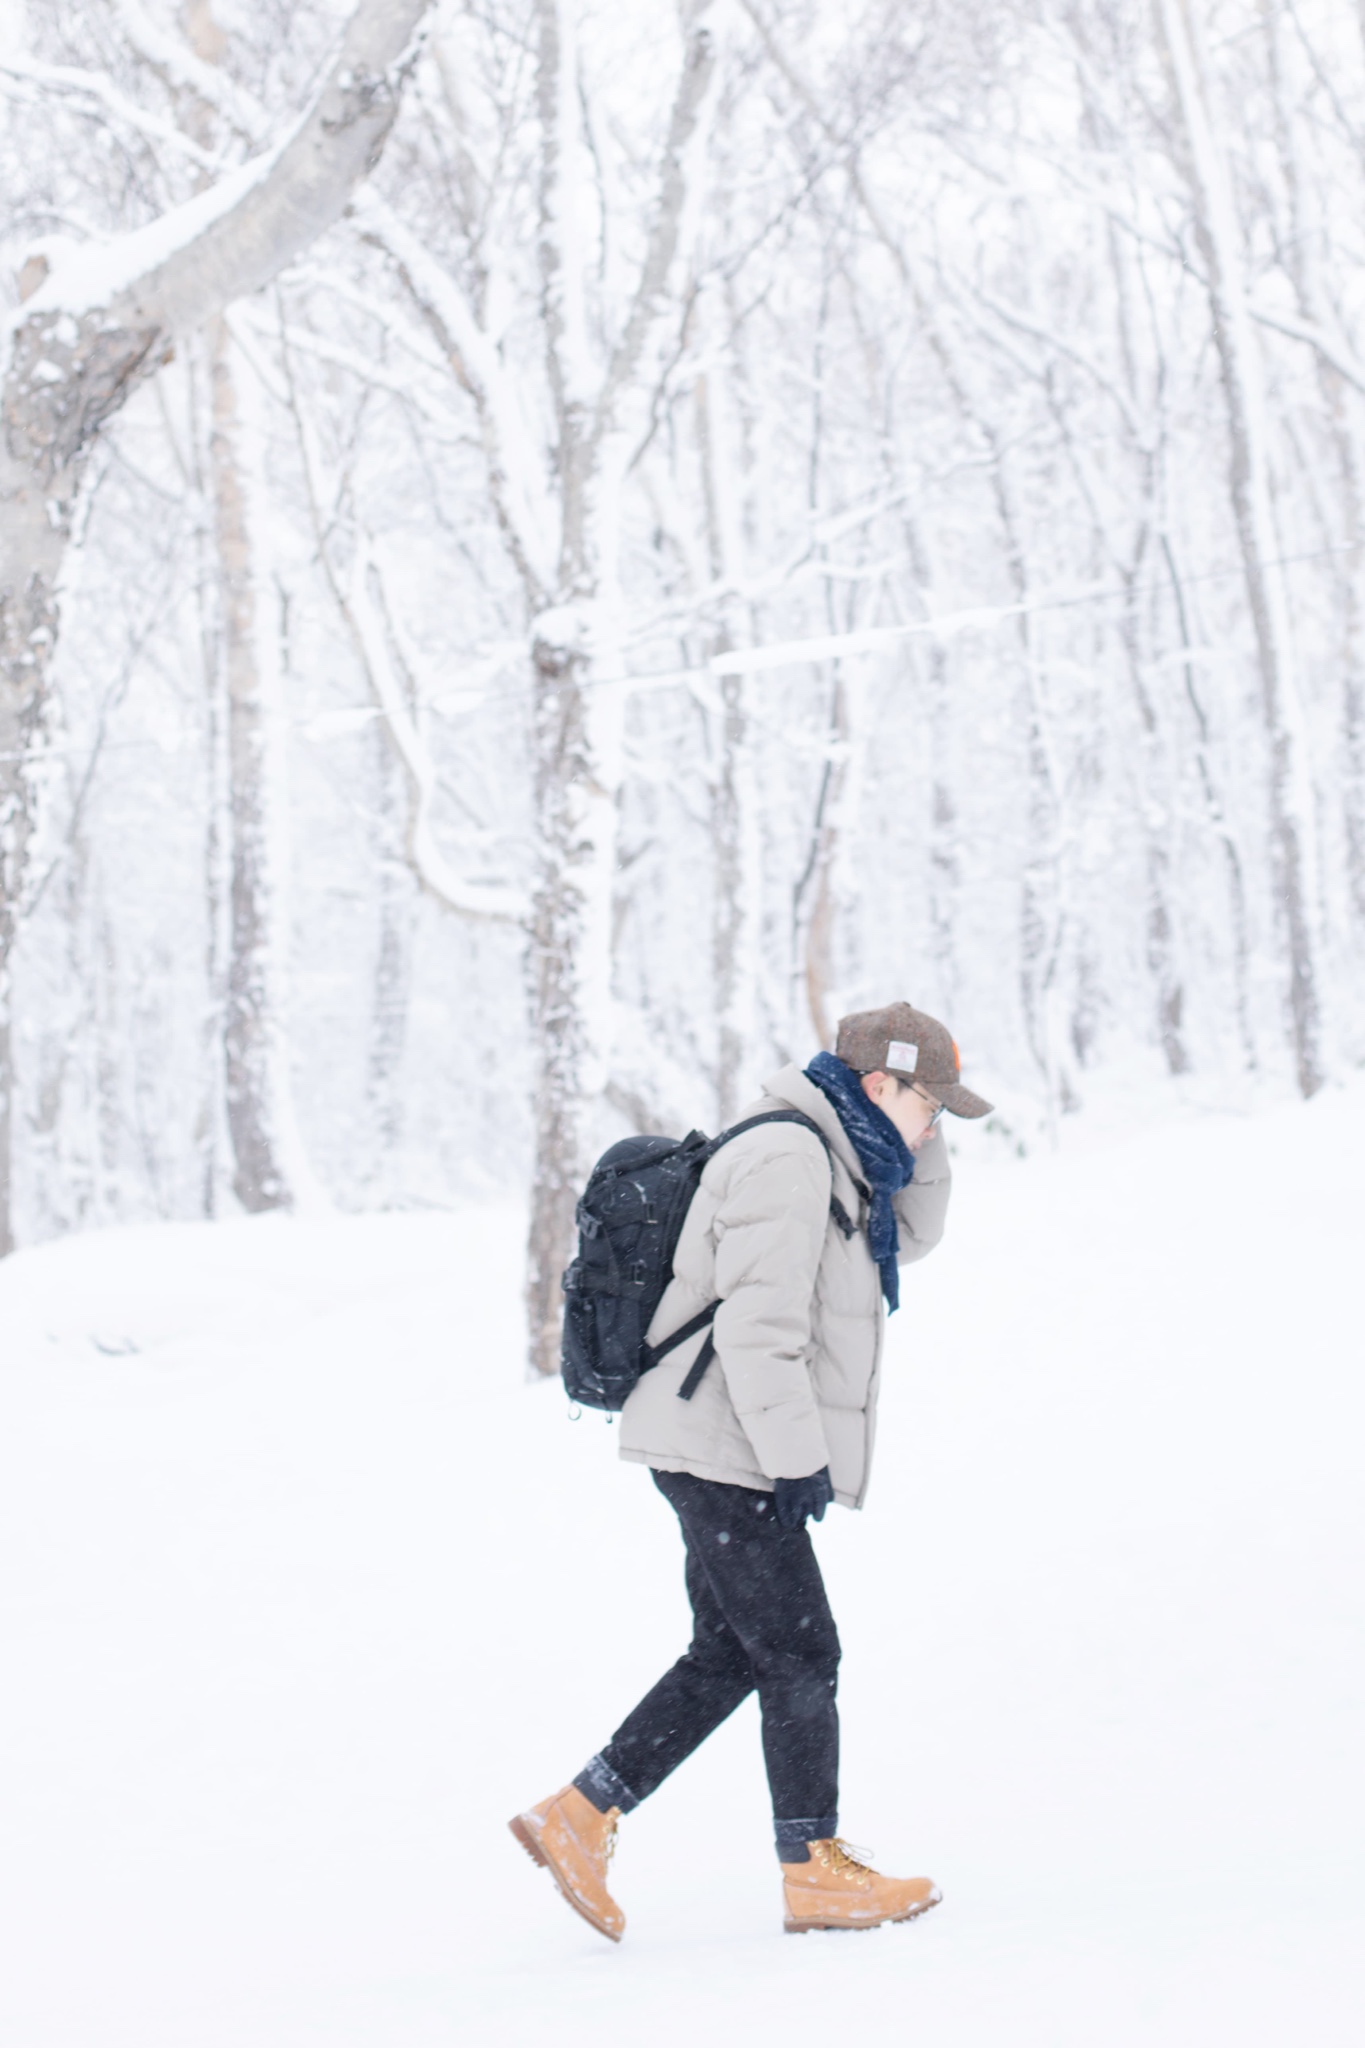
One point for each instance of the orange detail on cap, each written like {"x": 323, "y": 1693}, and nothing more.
{"x": 957, "y": 1056}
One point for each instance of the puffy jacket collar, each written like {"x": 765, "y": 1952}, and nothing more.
{"x": 791, "y": 1087}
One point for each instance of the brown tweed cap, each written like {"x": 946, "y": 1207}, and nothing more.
{"x": 901, "y": 1040}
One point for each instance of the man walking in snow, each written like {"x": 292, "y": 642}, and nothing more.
{"x": 800, "y": 1238}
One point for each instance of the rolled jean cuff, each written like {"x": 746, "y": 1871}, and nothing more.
{"x": 793, "y": 1836}
{"x": 602, "y": 1788}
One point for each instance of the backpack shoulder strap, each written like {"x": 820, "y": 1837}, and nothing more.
{"x": 768, "y": 1116}
{"x": 839, "y": 1214}
{"x": 843, "y": 1221}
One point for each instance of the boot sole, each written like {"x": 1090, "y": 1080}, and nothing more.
{"x": 812, "y": 1925}
{"x": 523, "y": 1834}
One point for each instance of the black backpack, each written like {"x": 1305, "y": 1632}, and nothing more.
{"x": 630, "y": 1217}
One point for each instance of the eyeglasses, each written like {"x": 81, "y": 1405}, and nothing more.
{"x": 936, "y": 1115}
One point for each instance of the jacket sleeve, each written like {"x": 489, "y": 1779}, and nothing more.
{"x": 770, "y": 1231}
{"x": 922, "y": 1207}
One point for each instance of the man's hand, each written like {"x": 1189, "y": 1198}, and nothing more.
{"x": 794, "y": 1499}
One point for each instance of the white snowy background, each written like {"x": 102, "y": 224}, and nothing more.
{"x": 753, "y": 508}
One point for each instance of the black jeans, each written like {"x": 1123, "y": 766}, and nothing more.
{"x": 761, "y": 1619}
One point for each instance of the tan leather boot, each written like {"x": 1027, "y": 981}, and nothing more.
{"x": 574, "y": 1842}
{"x": 835, "y": 1890}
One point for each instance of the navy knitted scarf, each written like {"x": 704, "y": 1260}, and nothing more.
{"x": 886, "y": 1160}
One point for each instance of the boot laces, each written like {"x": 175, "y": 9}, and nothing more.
{"x": 844, "y": 1859}
{"x": 609, "y": 1838}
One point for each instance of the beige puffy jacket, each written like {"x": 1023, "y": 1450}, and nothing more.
{"x": 793, "y": 1385}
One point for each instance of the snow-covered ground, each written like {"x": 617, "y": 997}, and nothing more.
{"x": 303, "y": 1593}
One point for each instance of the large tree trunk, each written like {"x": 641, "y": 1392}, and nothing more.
{"x": 1043, "y": 907}
{"x": 392, "y": 983}
{"x": 557, "y": 1021}
{"x": 943, "y": 863}
{"x": 1218, "y": 238}
{"x": 813, "y": 901}
{"x": 734, "y": 804}
{"x": 577, "y": 695}
{"x": 734, "y": 938}
{"x": 254, "y": 1052}
{"x": 27, "y": 625}
{"x": 99, "y": 325}
{"x": 812, "y": 936}
{"x": 210, "y": 1123}
{"x": 1155, "y": 815}
{"x": 575, "y": 782}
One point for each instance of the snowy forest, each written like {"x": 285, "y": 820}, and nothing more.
{"x": 550, "y": 549}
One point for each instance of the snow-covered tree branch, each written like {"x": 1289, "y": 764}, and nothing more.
{"x": 103, "y": 320}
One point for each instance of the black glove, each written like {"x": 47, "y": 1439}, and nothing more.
{"x": 794, "y": 1499}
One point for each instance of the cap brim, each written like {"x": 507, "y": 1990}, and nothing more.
{"x": 960, "y": 1101}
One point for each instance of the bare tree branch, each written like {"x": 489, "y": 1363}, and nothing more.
{"x": 233, "y": 238}
{"x": 467, "y": 348}
{"x": 69, "y": 81}
{"x": 699, "y": 65}
{"x": 1332, "y": 351}
{"x": 183, "y": 71}
{"x": 493, "y": 901}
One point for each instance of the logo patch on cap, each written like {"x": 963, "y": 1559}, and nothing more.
{"x": 899, "y": 1054}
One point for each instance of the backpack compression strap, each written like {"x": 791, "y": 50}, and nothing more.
{"x": 843, "y": 1221}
